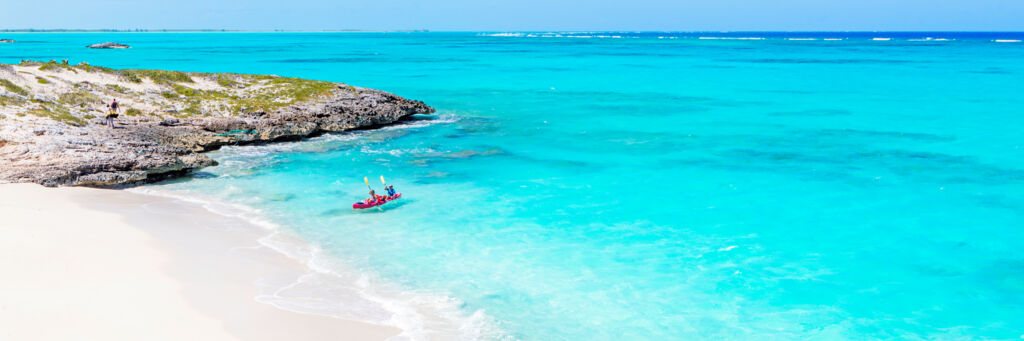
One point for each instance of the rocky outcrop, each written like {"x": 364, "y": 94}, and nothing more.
{"x": 6, "y": 40}
{"x": 108, "y": 45}
{"x": 148, "y": 148}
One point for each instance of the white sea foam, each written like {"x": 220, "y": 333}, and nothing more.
{"x": 801, "y": 38}
{"x": 731, "y": 38}
{"x": 1007, "y": 40}
{"x": 881, "y": 39}
{"x": 505, "y": 34}
{"x": 396, "y": 152}
{"x": 597, "y": 36}
{"x": 332, "y": 288}
{"x": 554, "y": 35}
{"x": 928, "y": 39}
{"x": 833, "y": 39}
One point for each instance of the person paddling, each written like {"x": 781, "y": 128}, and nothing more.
{"x": 376, "y": 200}
{"x": 373, "y": 198}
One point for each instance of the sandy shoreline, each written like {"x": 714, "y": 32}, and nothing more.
{"x": 82, "y": 263}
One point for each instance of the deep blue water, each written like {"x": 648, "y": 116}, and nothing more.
{"x": 640, "y": 185}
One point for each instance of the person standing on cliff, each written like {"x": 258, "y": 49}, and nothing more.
{"x": 112, "y": 113}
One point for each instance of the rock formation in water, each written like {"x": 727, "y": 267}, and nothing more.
{"x": 6, "y": 40}
{"x": 108, "y": 45}
{"x": 53, "y": 132}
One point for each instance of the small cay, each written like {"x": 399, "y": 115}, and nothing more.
{"x": 108, "y": 45}
{"x": 52, "y": 128}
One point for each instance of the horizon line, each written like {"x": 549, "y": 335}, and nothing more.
{"x": 210, "y": 30}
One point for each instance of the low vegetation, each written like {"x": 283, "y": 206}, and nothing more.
{"x": 280, "y": 92}
{"x": 10, "y": 101}
{"x": 182, "y": 94}
{"x": 13, "y": 87}
{"x": 157, "y": 76}
{"x": 227, "y": 82}
{"x": 80, "y": 99}
{"x": 117, "y": 88}
{"x": 90, "y": 68}
{"x": 55, "y": 66}
{"x": 59, "y": 114}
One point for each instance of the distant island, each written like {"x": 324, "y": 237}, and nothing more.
{"x": 52, "y": 128}
{"x": 108, "y": 45}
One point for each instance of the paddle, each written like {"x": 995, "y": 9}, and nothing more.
{"x": 385, "y": 190}
{"x": 367, "y": 181}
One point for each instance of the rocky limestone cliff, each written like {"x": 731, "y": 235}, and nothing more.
{"x": 52, "y": 129}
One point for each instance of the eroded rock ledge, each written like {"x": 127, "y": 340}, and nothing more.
{"x": 52, "y": 133}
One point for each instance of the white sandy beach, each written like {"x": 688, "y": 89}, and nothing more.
{"x": 91, "y": 264}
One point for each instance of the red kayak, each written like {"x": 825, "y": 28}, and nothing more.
{"x": 361, "y": 205}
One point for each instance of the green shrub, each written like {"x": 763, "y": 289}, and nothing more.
{"x": 193, "y": 108}
{"x": 162, "y": 76}
{"x": 55, "y": 66}
{"x": 5, "y": 101}
{"x": 13, "y": 88}
{"x": 130, "y": 76}
{"x": 90, "y": 68}
{"x": 226, "y": 82}
{"x": 42, "y": 80}
{"x": 133, "y": 112}
{"x": 59, "y": 114}
{"x": 117, "y": 88}
{"x": 80, "y": 98}
{"x": 199, "y": 94}
{"x": 185, "y": 91}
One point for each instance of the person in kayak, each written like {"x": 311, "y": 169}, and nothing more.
{"x": 391, "y": 190}
{"x": 373, "y": 198}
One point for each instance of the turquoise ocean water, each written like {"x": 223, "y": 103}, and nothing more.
{"x": 654, "y": 186}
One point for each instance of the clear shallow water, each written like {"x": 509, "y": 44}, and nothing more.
{"x": 653, "y": 186}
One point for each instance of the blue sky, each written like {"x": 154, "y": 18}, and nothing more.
{"x": 507, "y": 15}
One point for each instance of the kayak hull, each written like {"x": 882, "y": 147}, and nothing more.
{"x": 361, "y": 205}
